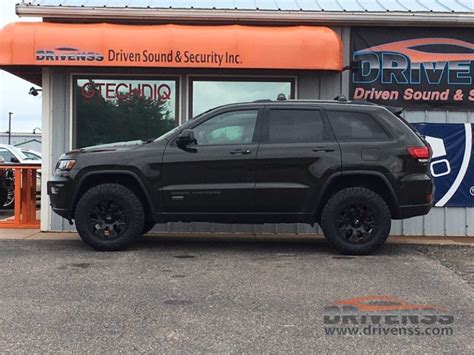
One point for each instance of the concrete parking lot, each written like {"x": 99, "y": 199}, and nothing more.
{"x": 212, "y": 295}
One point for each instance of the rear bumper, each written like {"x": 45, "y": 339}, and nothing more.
{"x": 413, "y": 211}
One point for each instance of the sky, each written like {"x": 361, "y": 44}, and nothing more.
{"x": 13, "y": 90}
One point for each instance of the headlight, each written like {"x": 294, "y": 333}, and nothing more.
{"x": 65, "y": 165}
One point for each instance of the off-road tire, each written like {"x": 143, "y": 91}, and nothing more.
{"x": 129, "y": 206}
{"x": 344, "y": 200}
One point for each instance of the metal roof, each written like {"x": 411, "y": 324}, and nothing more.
{"x": 463, "y": 6}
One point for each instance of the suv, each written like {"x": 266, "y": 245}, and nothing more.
{"x": 349, "y": 166}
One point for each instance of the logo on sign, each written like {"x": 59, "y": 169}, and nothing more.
{"x": 441, "y": 67}
{"x": 450, "y": 165}
{"x": 68, "y": 54}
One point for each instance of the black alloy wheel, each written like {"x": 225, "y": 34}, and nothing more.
{"x": 356, "y": 223}
{"x": 109, "y": 217}
{"x": 356, "y": 220}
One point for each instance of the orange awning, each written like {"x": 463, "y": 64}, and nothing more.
{"x": 170, "y": 46}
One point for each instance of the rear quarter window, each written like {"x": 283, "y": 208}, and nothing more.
{"x": 356, "y": 126}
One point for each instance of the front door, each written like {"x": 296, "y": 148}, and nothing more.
{"x": 217, "y": 174}
{"x": 297, "y": 151}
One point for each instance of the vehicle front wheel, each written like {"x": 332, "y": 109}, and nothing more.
{"x": 109, "y": 217}
{"x": 356, "y": 221}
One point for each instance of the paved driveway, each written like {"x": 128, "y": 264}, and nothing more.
{"x": 230, "y": 296}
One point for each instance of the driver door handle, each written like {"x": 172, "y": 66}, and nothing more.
{"x": 240, "y": 151}
{"x": 323, "y": 149}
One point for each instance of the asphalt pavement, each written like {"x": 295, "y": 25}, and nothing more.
{"x": 230, "y": 296}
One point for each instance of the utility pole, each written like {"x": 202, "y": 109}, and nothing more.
{"x": 10, "y": 127}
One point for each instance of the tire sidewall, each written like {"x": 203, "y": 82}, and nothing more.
{"x": 363, "y": 196}
{"x": 120, "y": 195}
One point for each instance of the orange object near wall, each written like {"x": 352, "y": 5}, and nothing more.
{"x": 174, "y": 46}
{"x": 25, "y": 197}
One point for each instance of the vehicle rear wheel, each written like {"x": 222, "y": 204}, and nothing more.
{"x": 356, "y": 221}
{"x": 9, "y": 200}
{"x": 3, "y": 196}
{"x": 109, "y": 217}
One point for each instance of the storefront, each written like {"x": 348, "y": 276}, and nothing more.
{"x": 120, "y": 74}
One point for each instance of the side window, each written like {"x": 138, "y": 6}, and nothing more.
{"x": 236, "y": 127}
{"x": 356, "y": 126}
{"x": 6, "y": 154}
{"x": 295, "y": 126}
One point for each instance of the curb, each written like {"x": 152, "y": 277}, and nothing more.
{"x": 32, "y": 234}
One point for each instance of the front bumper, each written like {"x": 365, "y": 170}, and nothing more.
{"x": 60, "y": 196}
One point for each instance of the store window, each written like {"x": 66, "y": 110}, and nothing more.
{"x": 209, "y": 93}
{"x": 119, "y": 109}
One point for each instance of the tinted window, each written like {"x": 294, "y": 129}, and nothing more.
{"x": 355, "y": 126}
{"x": 295, "y": 126}
{"x": 235, "y": 127}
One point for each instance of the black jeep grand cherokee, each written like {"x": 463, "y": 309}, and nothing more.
{"x": 351, "y": 167}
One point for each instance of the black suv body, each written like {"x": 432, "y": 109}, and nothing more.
{"x": 351, "y": 167}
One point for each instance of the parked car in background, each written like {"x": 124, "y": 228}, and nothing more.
{"x": 3, "y": 183}
{"x": 13, "y": 155}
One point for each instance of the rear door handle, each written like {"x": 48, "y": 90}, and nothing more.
{"x": 323, "y": 149}
{"x": 241, "y": 151}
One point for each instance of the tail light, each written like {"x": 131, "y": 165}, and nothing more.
{"x": 421, "y": 153}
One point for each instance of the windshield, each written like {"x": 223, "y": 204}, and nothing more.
{"x": 9, "y": 151}
{"x": 31, "y": 156}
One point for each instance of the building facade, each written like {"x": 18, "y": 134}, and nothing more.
{"x": 135, "y": 69}
{"x": 23, "y": 140}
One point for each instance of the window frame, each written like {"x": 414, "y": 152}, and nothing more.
{"x": 117, "y": 76}
{"x": 352, "y": 140}
{"x": 265, "y": 135}
{"x": 260, "y": 79}
{"x": 211, "y": 115}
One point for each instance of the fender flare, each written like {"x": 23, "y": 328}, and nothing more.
{"x": 110, "y": 172}
{"x": 346, "y": 173}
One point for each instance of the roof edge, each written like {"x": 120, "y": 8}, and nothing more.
{"x": 250, "y": 16}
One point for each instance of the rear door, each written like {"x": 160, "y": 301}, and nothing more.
{"x": 297, "y": 153}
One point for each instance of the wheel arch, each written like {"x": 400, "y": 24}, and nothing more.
{"x": 372, "y": 180}
{"x": 125, "y": 178}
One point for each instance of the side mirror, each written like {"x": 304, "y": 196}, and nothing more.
{"x": 14, "y": 160}
{"x": 186, "y": 138}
